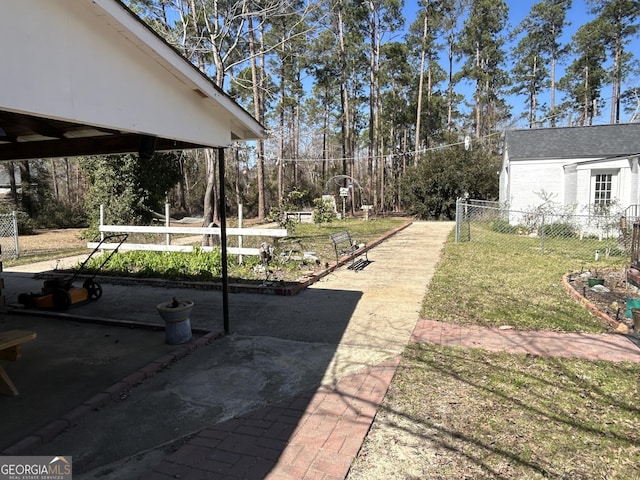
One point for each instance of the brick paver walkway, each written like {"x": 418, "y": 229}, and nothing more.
{"x": 611, "y": 347}
{"x": 316, "y": 435}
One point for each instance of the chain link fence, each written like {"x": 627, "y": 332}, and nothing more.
{"x": 583, "y": 237}
{"x": 9, "y": 236}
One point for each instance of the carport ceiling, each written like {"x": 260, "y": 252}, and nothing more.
{"x": 27, "y": 137}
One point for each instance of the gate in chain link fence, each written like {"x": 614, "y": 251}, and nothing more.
{"x": 580, "y": 237}
{"x": 9, "y": 236}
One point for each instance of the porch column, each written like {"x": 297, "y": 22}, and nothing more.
{"x": 223, "y": 242}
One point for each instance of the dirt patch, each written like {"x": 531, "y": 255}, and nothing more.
{"x": 48, "y": 241}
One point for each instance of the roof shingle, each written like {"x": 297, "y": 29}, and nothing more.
{"x": 595, "y": 141}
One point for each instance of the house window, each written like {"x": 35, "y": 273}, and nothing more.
{"x": 602, "y": 189}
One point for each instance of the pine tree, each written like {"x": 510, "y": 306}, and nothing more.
{"x": 538, "y": 47}
{"x": 617, "y": 19}
{"x": 586, "y": 74}
{"x": 482, "y": 45}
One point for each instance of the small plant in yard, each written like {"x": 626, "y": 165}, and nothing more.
{"x": 558, "y": 229}
{"x": 279, "y": 216}
{"x": 503, "y": 226}
{"x": 293, "y": 201}
{"x": 323, "y": 211}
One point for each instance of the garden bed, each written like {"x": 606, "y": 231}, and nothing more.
{"x": 282, "y": 276}
{"x": 610, "y": 301}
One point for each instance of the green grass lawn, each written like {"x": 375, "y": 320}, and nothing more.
{"x": 454, "y": 413}
{"x": 315, "y": 238}
{"x": 507, "y": 280}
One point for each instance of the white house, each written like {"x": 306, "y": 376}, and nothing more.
{"x": 574, "y": 168}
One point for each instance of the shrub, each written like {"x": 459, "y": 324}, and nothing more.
{"x": 26, "y": 225}
{"x": 503, "y": 226}
{"x": 323, "y": 211}
{"x": 56, "y": 214}
{"x": 558, "y": 230}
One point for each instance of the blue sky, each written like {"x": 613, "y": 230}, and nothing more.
{"x": 578, "y": 15}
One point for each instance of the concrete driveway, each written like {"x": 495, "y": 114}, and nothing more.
{"x": 104, "y": 393}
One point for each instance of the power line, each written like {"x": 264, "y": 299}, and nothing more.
{"x": 389, "y": 155}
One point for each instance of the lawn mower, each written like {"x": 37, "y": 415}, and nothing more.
{"x": 60, "y": 293}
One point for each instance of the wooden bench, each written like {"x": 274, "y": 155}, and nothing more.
{"x": 11, "y": 349}
{"x": 344, "y": 245}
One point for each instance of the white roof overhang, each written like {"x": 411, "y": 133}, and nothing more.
{"x": 89, "y": 77}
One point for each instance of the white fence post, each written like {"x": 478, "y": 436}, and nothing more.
{"x": 458, "y": 218}
{"x": 101, "y": 220}
{"x": 240, "y": 257}
{"x": 167, "y": 222}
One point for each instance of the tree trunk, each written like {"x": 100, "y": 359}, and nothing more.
{"x": 477, "y": 96}
{"x": 25, "y": 175}
{"x": 182, "y": 185}
{"x": 553, "y": 88}
{"x": 281, "y": 152}
{"x": 423, "y": 55}
{"x": 585, "y": 107}
{"x": 54, "y": 179}
{"x": 325, "y": 130}
{"x": 533, "y": 102}
{"x": 257, "y": 77}
{"x": 210, "y": 203}
{"x": 11, "y": 172}
{"x": 68, "y": 172}
{"x": 450, "y": 86}
{"x": 373, "y": 96}
{"x": 615, "y": 82}
{"x": 345, "y": 124}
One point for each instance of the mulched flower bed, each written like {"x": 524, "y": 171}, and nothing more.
{"x": 611, "y": 300}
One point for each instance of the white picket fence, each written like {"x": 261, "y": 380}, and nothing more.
{"x": 167, "y": 247}
{"x": 167, "y": 230}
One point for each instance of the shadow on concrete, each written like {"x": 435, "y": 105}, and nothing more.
{"x": 278, "y": 348}
{"x": 67, "y": 364}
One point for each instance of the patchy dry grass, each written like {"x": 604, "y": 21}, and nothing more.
{"x": 44, "y": 245}
{"x": 312, "y": 237}
{"x": 456, "y": 413}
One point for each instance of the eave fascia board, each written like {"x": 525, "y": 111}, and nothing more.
{"x": 129, "y": 25}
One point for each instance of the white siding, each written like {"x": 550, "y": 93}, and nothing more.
{"x": 567, "y": 183}
{"x": 634, "y": 195}
{"x": 570, "y": 184}
{"x": 503, "y": 193}
{"x": 533, "y": 181}
{"x": 504, "y": 185}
